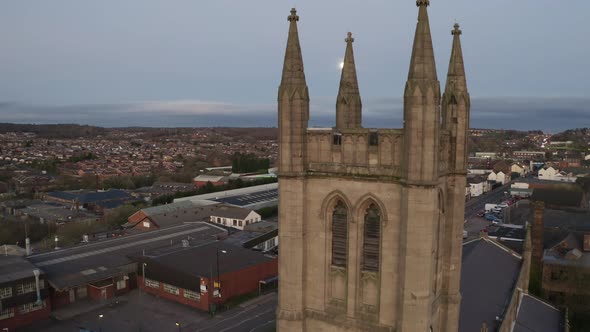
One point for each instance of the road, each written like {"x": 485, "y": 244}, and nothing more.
{"x": 474, "y": 223}
{"x": 148, "y": 313}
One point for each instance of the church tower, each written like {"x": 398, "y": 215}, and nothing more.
{"x": 371, "y": 220}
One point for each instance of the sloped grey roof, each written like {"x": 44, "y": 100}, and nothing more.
{"x": 14, "y": 268}
{"x": 98, "y": 260}
{"x": 488, "y": 276}
{"x": 534, "y": 315}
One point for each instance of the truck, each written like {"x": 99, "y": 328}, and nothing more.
{"x": 489, "y": 207}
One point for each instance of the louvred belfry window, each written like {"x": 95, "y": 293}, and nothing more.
{"x": 339, "y": 235}
{"x": 371, "y": 239}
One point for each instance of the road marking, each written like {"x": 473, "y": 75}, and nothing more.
{"x": 249, "y": 319}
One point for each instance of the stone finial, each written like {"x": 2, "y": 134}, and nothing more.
{"x": 484, "y": 328}
{"x": 293, "y": 16}
{"x": 422, "y": 3}
{"x": 349, "y": 38}
{"x": 456, "y": 30}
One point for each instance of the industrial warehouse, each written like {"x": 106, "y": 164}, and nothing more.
{"x": 198, "y": 253}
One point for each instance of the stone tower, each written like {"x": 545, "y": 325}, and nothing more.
{"x": 371, "y": 220}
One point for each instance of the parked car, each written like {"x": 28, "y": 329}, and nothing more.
{"x": 465, "y": 234}
{"x": 481, "y": 213}
{"x": 497, "y": 221}
{"x": 497, "y": 210}
{"x": 490, "y": 217}
{"x": 503, "y": 205}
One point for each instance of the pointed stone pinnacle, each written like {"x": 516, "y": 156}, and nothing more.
{"x": 456, "y": 30}
{"x": 422, "y": 3}
{"x": 349, "y": 38}
{"x": 422, "y": 64}
{"x": 293, "y": 16}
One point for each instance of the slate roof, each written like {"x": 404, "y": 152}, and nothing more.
{"x": 107, "y": 258}
{"x": 91, "y": 197}
{"x": 14, "y": 268}
{"x": 488, "y": 276}
{"x": 572, "y": 196}
{"x": 228, "y": 211}
{"x": 534, "y": 315}
{"x": 172, "y": 267}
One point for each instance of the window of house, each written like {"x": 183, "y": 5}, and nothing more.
{"x": 151, "y": 283}
{"x": 30, "y": 307}
{"x": 25, "y": 288}
{"x": 219, "y": 220}
{"x": 371, "y": 239}
{"x": 6, "y": 313}
{"x": 373, "y": 139}
{"x": 240, "y": 223}
{"x": 171, "y": 289}
{"x": 337, "y": 139}
{"x": 5, "y": 292}
{"x": 146, "y": 224}
{"x": 235, "y": 222}
{"x": 189, "y": 294}
{"x": 339, "y": 234}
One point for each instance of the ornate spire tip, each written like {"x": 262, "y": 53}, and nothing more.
{"x": 349, "y": 38}
{"x": 293, "y": 17}
{"x": 456, "y": 30}
{"x": 422, "y": 3}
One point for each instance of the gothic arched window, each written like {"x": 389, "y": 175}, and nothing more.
{"x": 339, "y": 234}
{"x": 371, "y": 239}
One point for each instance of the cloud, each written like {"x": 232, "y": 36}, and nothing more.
{"x": 548, "y": 114}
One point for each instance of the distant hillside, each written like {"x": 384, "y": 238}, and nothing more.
{"x": 580, "y": 137}
{"x": 54, "y": 130}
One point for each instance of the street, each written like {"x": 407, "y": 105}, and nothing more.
{"x": 474, "y": 223}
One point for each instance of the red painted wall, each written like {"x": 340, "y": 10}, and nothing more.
{"x": 20, "y": 320}
{"x": 60, "y": 299}
{"x": 95, "y": 293}
{"x": 232, "y": 284}
{"x": 200, "y": 184}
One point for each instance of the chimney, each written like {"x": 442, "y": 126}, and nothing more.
{"x": 28, "y": 246}
{"x": 537, "y": 232}
{"x": 36, "y": 273}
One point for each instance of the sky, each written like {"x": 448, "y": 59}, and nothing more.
{"x": 218, "y": 62}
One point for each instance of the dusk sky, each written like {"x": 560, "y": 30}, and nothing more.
{"x": 205, "y": 63}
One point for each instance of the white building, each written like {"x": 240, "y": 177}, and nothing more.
{"x": 499, "y": 177}
{"x": 233, "y": 216}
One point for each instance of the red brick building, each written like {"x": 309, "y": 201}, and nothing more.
{"x": 241, "y": 271}
{"x": 24, "y": 293}
{"x": 215, "y": 180}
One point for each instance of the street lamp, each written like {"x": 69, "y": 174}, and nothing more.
{"x": 218, "y": 279}
{"x": 100, "y": 322}
{"x": 179, "y": 326}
